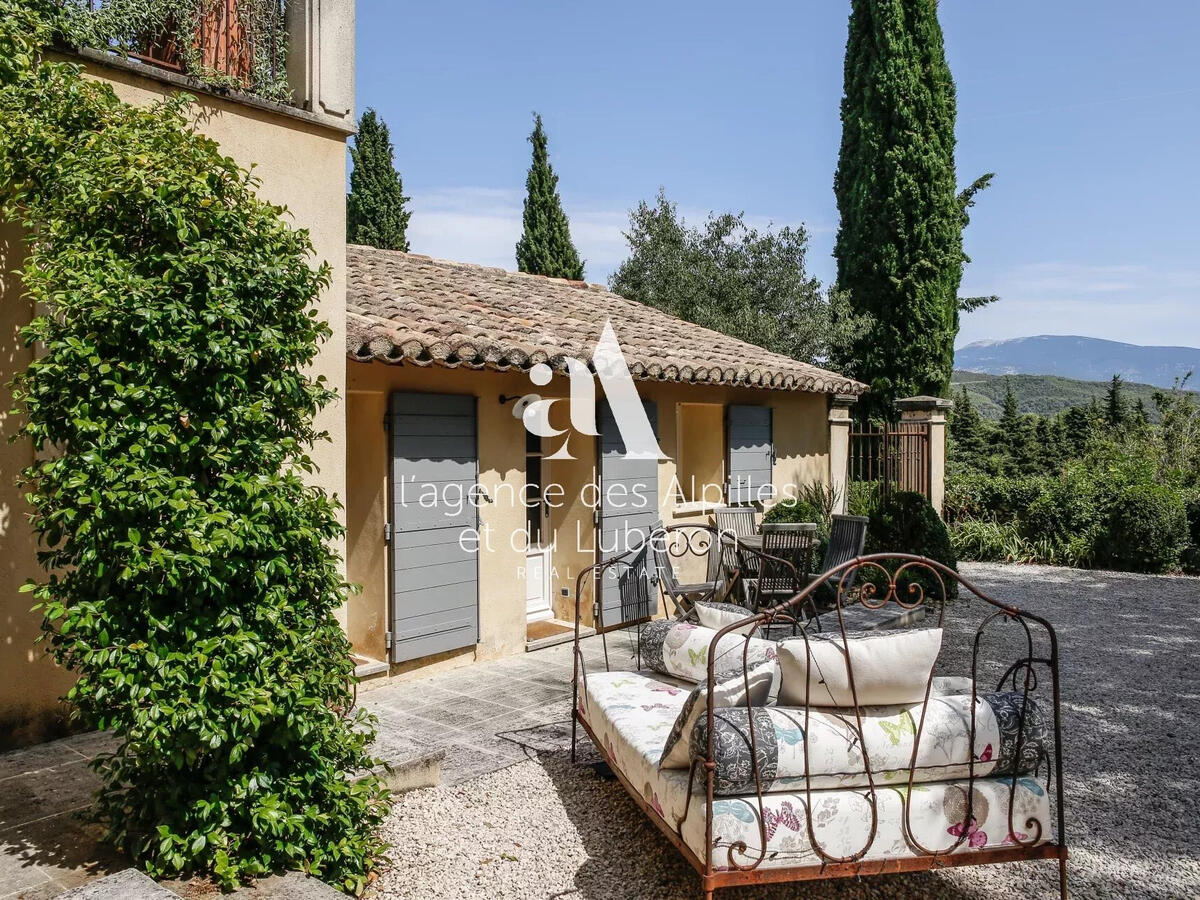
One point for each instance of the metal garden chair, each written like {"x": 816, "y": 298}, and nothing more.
{"x": 684, "y": 596}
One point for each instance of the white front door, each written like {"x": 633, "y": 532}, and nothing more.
{"x": 537, "y": 584}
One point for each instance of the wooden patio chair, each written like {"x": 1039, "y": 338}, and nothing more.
{"x": 785, "y": 562}
{"x": 734, "y": 523}
{"x": 847, "y": 538}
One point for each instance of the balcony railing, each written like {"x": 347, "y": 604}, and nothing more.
{"x": 228, "y": 43}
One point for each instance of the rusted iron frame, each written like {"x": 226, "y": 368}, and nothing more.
{"x": 595, "y": 574}
{"x": 735, "y": 873}
{"x": 867, "y": 597}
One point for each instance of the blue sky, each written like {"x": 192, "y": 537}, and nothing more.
{"x": 1089, "y": 113}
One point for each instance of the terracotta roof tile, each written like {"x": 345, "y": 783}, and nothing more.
{"x": 411, "y": 309}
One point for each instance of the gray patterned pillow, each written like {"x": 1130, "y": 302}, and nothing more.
{"x": 732, "y": 688}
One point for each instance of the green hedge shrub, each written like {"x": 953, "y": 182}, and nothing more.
{"x": 192, "y": 587}
{"x": 978, "y": 495}
{"x": 1147, "y": 529}
{"x": 1066, "y": 517}
{"x": 1191, "y": 554}
{"x": 905, "y": 522}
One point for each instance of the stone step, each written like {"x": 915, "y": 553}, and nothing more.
{"x": 129, "y": 884}
{"x": 418, "y": 770}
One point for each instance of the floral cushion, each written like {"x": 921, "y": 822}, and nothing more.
{"x": 783, "y": 737}
{"x": 680, "y": 649}
{"x": 931, "y": 816}
{"x": 730, "y": 689}
{"x": 631, "y": 713}
{"x": 889, "y": 667}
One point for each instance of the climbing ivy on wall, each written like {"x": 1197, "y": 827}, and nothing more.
{"x": 191, "y": 585}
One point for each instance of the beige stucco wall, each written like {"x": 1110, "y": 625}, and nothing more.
{"x": 301, "y": 165}
{"x": 801, "y": 437}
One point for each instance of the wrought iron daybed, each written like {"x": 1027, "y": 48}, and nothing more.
{"x": 738, "y": 819}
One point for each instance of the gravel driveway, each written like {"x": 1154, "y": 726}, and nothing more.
{"x": 543, "y": 828}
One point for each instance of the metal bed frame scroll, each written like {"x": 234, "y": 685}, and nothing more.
{"x": 878, "y": 580}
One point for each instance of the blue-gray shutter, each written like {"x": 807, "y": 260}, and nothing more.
{"x": 627, "y": 593}
{"x": 435, "y": 581}
{"x": 751, "y": 452}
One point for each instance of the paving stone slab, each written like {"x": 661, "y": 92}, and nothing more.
{"x": 127, "y": 885}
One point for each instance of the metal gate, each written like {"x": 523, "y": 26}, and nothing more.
{"x": 894, "y": 455}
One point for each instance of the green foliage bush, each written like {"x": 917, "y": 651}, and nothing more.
{"x": 987, "y": 540}
{"x": 976, "y": 494}
{"x": 1147, "y": 529}
{"x": 1191, "y": 553}
{"x": 191, "y": 584}
{"x": 1066, "y": 517}
{"x": 905, "y": 522}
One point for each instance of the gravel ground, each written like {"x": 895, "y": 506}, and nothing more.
{"x": 543, "y": 828}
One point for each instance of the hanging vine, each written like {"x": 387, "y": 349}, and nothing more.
{"x": 235, "y": 44}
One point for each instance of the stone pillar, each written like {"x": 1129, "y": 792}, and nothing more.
{"x": 320, "y": 61}
{"x": 931, "y": 411}
{"x": 839, "y": 447}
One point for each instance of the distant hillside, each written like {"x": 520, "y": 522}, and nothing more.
{"x": 1043, "y": 394}
{"x": 1084, "y": 358}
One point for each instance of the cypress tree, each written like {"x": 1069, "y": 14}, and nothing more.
{"x": 1115, "y": 407}
{"x": 966, "y": 425}
{"x": 375, "y": 213}
{"x": 545, "y": 247}
{"x": 899, "y": 245}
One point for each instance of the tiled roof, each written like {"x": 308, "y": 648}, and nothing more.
{"x": 411, "y": 309}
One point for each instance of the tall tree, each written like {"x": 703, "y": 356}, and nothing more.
{"x": 966, "y": 425}
{"x": 899, "y": 246}
{"x": 545, "y": 247}
{"x": 1116, "y": 408}
{"x": 732, "y": 278}
{"x": 375, "y": 213}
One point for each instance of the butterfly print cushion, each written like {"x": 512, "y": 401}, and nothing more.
{"x": 889, "y": 733}
{"x": 681, "y": 649}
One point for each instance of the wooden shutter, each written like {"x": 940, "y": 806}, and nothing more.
{"x": 751, "y": 453}
{"x": 435, "y": 580}
{"x": 628, "y": 509}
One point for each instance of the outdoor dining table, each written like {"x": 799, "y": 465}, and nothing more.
{"x": 747, "y": 566}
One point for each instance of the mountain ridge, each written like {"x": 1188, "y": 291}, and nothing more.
{"x": 1079, "y": 358}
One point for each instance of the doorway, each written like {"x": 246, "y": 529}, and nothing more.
{"x": 537, "y": 554}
